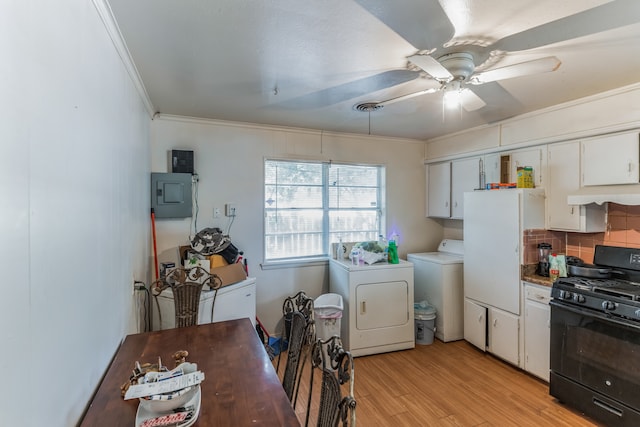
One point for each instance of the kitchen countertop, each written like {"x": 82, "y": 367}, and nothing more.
{"x": 528, "y": 274}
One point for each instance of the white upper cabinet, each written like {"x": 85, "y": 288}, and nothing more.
{"x": 491, "y": 166}
{"x": 611, "y": 160}
{"x": 563, "y": 172}
{"x": 465, "y": 176}
{"x": 530, "y": 157}
{"x": 439, "y": 190}
{"x": 446, "y": 184}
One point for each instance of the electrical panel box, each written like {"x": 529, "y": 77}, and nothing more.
{"x": 182, "y": 161}
{"x": 171, "y": 195}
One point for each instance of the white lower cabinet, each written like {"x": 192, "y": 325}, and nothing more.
{"x": 537, "y": 321}
{"x": 493, "y": 330}
{"x": 504, "y": 333}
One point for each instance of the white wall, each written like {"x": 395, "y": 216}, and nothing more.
{"x": 74, "y": 212}
{"x": 229, "y": 160}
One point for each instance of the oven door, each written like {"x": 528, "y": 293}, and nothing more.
{"x": 598, "y": 352}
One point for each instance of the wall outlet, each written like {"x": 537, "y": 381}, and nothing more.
{"x": 230, "y": 209}
{"x": 216, "y": 212}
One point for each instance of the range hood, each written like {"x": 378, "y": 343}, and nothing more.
{"x": 620, "y": 194}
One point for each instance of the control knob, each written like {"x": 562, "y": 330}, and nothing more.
{"x": 565, "y": 295}
{"x": 608, "y": 305}
{"x": 579, "y": 298}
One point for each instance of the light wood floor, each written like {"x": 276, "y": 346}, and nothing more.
{"x": 451, "y": 384}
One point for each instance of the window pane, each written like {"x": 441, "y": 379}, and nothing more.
{"x": 352, "y": 197}
{"x": 285, "y": 173}
{"x": 293, "y": 233}
{"x": 345, "y": 175}
{"x": 300, "y": 196}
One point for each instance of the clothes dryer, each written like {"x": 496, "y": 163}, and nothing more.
{"x": 438, "y": 280}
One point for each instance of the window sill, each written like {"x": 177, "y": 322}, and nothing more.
{"x": 295, "y": 263}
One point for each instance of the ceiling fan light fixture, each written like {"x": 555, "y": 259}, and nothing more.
{"x": 452, "y": 94}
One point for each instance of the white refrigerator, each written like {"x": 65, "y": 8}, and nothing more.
{"x": 494, "y": 221}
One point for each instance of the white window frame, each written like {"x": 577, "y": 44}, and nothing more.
{"x": 328, "y": 236}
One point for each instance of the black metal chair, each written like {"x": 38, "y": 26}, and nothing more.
{"x": 299, "y": 332}
{"x": 186, "y": 285}
{"x": 337, "y": 373}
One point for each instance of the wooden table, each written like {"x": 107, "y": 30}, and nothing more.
{"x": 241, "y": 387}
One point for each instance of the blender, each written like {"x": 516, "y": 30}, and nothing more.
{"x": 544, "y": 249}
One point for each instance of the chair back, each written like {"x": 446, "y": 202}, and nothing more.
{"x": 299, "y": 331}
{"x": 186, "y": 285}
{"x": 337, "y": 373}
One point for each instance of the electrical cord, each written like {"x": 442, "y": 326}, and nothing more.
{"x": 141, "y": 286}
{"x": 196, "y": 208}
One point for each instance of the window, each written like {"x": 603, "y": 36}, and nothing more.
{"x": 310, "y": 205}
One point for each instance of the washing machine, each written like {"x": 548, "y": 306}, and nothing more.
{"x": 438, "y": 280}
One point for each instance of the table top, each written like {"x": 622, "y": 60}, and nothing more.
{"x": 240, "y": 388}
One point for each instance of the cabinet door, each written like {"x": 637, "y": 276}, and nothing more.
{"x": 524, "y": 158}
{"x": 504, "y": 335}
{"x": 563, "y": 167}
{"x": 611, "y": 160}
{"x": 439, "y": 190}
{"x": 465, "y": 176}
{"x": 491, "y": 164}
{"x": 537, "y": 338}
{"x": 475, "y": 324}
{"x": 382, "y": 305}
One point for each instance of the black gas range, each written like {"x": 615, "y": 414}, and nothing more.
{"x": 595, "y": 339}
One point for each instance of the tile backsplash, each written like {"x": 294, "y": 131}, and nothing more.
{"x": 623, "y": 229}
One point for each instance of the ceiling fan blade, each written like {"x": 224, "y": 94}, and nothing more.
{"x": 423, "y": 23}
{"x": 605, "y": 17}
{"x": 336, "y": 94}
{"x": 536, "y": 66}
{"x": 470, "y": 101}
{"x": 431, "y": 66}
{"x": 407, "y": 96}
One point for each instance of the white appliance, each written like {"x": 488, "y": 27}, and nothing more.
{"x": 234, "y": 301}
{"x": 438, "y": 280}
{"x": 493, "y": 226}
{"x": 378, "y": 305}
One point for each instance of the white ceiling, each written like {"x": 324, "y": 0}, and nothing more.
{"x": 307, "y": 63}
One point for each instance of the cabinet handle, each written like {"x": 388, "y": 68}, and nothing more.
{"x": 446, "y": 204}
{"x": 455, "y": 205}
{"x": 572, "y": 210}
{"x": 630, "y": 166}
{"x": 495, "y": 322}
{"x": 364, "y": 307}
{"x": 480, "y": 319}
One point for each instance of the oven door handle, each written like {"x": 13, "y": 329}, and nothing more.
{"x": 594, "y": 314}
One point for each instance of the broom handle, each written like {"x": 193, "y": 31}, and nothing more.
{"x": 155, "y": 250}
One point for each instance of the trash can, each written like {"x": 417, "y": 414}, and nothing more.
{"x": 327, "y": 309}
{"x": 425, "y": 319}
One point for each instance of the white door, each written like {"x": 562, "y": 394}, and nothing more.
{"x": 439, "y": 190}
{"x": 475, "y": 324}
{"x": 465, "y": 176}
{"x": 382, "y": 305}
{"x": 537, "y": 338}
{"x": 503, "y": 332}
{"x": 491, "y": 232}
{"x": 611, "y": 160}
{"x": 563, "y": 166}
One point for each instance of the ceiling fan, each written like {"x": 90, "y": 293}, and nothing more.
{"x": 455, "y": 66}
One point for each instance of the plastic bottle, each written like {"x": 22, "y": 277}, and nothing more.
{"x": 340, "y": 250}
{"x": 393, "y": 252}
{"x": 382, "y": 242}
